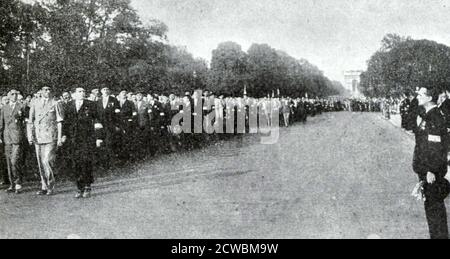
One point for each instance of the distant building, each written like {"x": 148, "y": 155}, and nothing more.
{"x": 352, "y": 79}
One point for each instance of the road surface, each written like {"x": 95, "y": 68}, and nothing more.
{"x": 341, "y": 175}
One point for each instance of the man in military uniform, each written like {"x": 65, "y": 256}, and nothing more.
{"x": 12, "y": 125}
{"x": 46, "y": 116}
{"x": 430, "y": 161}
{"x": 80, "y": 118}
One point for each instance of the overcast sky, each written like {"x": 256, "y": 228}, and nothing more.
{"x": 335, "y": 35}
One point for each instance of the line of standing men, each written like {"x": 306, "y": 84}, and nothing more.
{"x": 104, "y": 131}
{"x": 48, "y": 124}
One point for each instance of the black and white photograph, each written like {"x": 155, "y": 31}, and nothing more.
{"x": 224, "y": 120}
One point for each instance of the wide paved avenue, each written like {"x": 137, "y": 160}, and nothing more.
{"x": 341, "y": 175}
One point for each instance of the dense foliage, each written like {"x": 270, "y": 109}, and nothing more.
{"x": 92, "y": 43}
{"x": 403, "y": 64}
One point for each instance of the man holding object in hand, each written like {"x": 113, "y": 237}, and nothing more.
{"x": 430, "y": 161}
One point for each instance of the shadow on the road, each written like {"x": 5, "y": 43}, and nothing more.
{"x": 142, "y": 184}
{"x": 126, "y": 178}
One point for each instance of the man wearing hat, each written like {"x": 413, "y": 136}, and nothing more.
{"x": 12, "y": 126}
{"x": 46, "y": 117}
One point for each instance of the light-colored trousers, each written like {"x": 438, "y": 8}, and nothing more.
{"x": 46, "y": 156}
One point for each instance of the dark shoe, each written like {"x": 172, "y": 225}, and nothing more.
{"x": 10, "y": 190}
{"x": 41, "y": 193}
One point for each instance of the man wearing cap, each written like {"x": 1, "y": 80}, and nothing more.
{"x": 108, "y": 110}
{"x": 45, "y": 120}
{"x": 12, "y": 126}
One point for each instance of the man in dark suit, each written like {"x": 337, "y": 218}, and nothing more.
{"x": 430, "y": 161}
{"x": 108, "y": 110}
{"x": 413, "y": 112}
{"x": 12, "y": 125}
{"x": 142, "y": 134}
{"x": 79, "y": 119}
{"x": 445, "y": 109}
{"x": 127, "y": 116}
{"x": 156, "y": 123}
{"x": 404, "y": 111}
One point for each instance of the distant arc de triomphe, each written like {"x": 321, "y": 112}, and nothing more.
{"x": 352, "y": 79}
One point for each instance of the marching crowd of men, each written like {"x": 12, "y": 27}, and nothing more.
{"x": 81, "y": 131}
{"x": 364, "y": 104}
{"x": 78, "y": 132}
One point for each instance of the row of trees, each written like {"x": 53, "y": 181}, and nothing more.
{"x": 264, "y": 70}
{"x": 403, "y": 64}
{"x": 92, "y": 43}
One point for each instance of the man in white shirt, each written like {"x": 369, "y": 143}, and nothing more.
{"x": 108, "y": 110}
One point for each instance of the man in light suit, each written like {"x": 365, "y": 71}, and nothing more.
{"x": 13, "y": 128}
{"x": 46, "y": 116}
{"x": 3, "y": 169}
